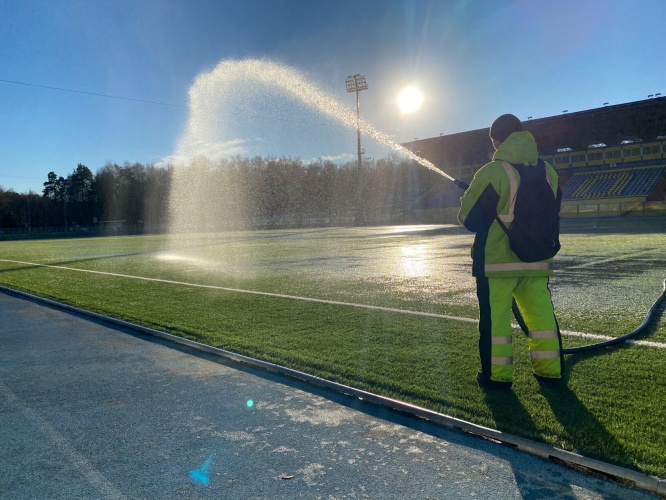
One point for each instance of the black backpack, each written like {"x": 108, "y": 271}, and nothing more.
{"x": 535, "y": 231}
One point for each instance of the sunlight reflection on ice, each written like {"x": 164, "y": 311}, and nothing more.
{"x": 170, "y": 257}
{"x": 413, "y": 261}
{"x": 414, "y": 228}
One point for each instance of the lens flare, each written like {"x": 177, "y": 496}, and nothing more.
{"x": 200, "y": 475}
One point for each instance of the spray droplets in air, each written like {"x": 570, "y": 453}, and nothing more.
{"x": 231, "y": 78}
{"x": 235, "y": 75}
{"x": 230, "y": 96}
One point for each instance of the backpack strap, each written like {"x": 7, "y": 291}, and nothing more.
{"x": 513, "y": 191}
{"x": 502, "y": 225}
{"x": 510, "y": 169}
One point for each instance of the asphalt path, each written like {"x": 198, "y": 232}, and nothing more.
{"x": 93, "y": 411}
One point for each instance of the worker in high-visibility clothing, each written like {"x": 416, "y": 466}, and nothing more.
{"x": 500, "y": 275}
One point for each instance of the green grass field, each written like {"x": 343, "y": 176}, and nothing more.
{"x": 608, "y": 274}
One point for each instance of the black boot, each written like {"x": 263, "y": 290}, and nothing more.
{"x": 486, "y": 383}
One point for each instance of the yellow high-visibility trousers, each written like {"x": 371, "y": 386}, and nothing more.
{"x": 533, "y": 297}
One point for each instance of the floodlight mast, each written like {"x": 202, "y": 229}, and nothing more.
{"x": 357, "y": 83}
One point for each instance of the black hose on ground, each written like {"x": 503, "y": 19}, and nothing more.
{"x": 607, "y": 343}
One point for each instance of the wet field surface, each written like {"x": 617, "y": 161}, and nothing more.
{"x": 89, "y": 411}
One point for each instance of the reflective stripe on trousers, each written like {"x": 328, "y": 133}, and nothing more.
{"x": 495, "y": 341}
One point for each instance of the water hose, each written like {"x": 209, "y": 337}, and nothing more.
{"x": 607, "y": 343}
{"x": 626, "y": 336}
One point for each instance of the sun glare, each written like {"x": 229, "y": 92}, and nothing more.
{"x": 410, "y": 100}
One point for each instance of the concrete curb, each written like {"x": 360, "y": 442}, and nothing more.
{"x": 639, "y": 480}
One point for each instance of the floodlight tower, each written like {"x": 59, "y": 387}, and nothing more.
{"x": 357, "y": 83}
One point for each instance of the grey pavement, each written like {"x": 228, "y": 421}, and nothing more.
{"x": 93, "y": 411}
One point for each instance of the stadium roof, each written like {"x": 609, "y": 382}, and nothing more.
{"x": 610, "y": 125}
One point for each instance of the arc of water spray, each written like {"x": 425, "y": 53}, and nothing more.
{"x": 229, "y": 75}
{"x": 189, "y": 208}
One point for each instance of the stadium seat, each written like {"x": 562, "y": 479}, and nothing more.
{"x": 625, "y": 183}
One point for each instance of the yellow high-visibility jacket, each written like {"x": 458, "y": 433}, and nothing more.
{"x": 493, "y": 191}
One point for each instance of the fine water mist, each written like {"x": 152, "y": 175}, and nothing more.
{"x": 196, "y": 204}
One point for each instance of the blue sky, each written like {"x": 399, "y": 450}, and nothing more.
{"x": 473, "y": 60}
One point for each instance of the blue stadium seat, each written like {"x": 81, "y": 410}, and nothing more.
{"x": 595, "y": 185}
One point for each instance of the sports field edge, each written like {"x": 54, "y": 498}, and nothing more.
{"x": 657, "y": 345}
{"x": 428, "y": 359}
{"x": 623, "y": 475}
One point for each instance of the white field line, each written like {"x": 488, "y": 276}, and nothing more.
{"x": 606, "y": 261}
{"x": 94, "y": 476}
{"x": 320, "y": 301}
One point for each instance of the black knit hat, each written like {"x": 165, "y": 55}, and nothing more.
{"x": 504, "y": 126}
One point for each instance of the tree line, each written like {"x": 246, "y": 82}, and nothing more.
{"x": 83, "y": 199}
{"x": 236, "y": 192}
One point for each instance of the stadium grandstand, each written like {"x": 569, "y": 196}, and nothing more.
{"x": 611, "y": 160}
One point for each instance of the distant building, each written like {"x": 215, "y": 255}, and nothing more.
{"x": 611, "y": 160}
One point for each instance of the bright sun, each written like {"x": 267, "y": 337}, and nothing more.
{"x": 410, "y": 100}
